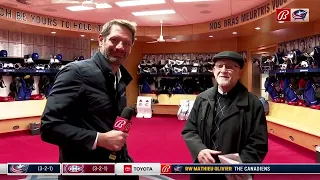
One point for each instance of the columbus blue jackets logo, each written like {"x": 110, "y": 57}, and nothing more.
{"x": 299, "y": 14}
{"x": 177, "y": 168}
{"x": 18, "y": 168}
{"x": 72, "y": 168}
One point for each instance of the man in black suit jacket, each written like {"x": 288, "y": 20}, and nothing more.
{"x": 85, "y": 100}
{"x": 226, "y": 119}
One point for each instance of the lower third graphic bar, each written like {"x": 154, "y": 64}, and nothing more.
{"x": 246, "y": 169}
{"x": 34, "y": 169}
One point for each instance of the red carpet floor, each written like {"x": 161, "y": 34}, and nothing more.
{"x": 151, "y": 140}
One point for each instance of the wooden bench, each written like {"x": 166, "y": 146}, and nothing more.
{"x": 300, "y": 125}
{"x": 168, "y": 105}
{"x": 17, "y": 115}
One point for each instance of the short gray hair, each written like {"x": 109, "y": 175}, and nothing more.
{"x": 132, "y": 26}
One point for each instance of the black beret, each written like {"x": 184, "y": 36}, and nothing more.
{"x": 236, "y": 57}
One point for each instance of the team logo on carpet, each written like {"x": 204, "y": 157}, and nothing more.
{"x": 18, "y": 168}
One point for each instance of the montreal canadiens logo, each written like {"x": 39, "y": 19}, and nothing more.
{"x": 73, "y": 169}
{"x": 120, "y": 123}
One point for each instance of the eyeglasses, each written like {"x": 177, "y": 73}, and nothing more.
{"x": 228, "y": 67}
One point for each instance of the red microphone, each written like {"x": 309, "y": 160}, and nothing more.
{"x": 122, "y": 123}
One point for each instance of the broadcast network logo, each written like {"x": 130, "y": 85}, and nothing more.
{"x": 292, "y": 15}
{"x": 166, "y": 169}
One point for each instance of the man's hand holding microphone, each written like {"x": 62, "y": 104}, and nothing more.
{"x": 115, "y": 139}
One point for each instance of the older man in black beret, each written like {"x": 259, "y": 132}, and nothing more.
{"x": 226, "y": 119}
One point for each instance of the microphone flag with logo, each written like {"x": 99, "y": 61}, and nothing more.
{"x": 122, "y": 123}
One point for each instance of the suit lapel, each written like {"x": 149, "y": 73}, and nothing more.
{"x": 126, "y": 78}
{"x": 212, "y": 102}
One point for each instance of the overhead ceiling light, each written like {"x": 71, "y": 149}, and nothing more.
{"x": 149, "y": 13}
{"x": 234, "y": 33}
{"x": 257, "y": 28}
{"x": 139, "y": 3}
{"x": 92, "y": 39}
{"x": 82, "y": 35}
{"x": 79, "y": 8}
{"x": 177, "y": 1}
{"x": 281, "y": 22}
{"x": 103, "y": 6}
{"x": 210, "y": 36}
{"x": 53, "y": 32}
